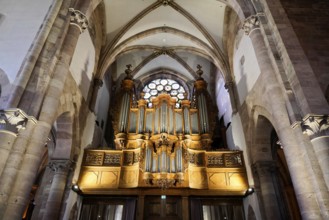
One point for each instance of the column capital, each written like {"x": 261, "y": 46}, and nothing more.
{"x": 263, "y": 168}
{"x": 14, "y": 119}
{"x": 78, "y": 19}
{"x": 229, "y": 85}
{"x": 60, "y": 166}
{"x": 251, "y": 23}
{"x": 315, "y": 125}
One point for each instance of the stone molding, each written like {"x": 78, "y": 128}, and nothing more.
{"x": 78, "y": 19}
{"x": 264, "y": 168}
{"x": 14, "y": 119}
{"x": 60, "y": 166}
{"x": 251, "y": 23}
{"x": 315, "y": 125}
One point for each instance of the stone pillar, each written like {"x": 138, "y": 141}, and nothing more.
{"x": 16, "y": 121}
{"x": 265, "y": 171}
{"x": 317, "y": 128}
{"x": 296, "y": 156}
{"x": 98, "y": 83}
{"x": 185, "y": 208}
{"x": 12, "y": 121}
{"x": 230, "y": 87}
{"x": 30, "y": 163}
{"x": 54, "y": 201}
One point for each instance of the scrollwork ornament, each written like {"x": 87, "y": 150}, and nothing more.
{"x": 78, "y": 19}
{"x": 251, "y": 23}
{"x": 315, "y": 125}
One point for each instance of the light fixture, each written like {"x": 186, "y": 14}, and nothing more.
{"x": 249, "y": 191}
{"x": 76, "y": 188}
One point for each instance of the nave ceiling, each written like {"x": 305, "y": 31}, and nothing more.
{"x": 170, "y": 37}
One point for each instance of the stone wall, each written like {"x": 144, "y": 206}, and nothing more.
{"x": 310, "y": 19}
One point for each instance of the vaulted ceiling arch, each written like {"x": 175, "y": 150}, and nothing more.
{"x": 219, "y": 61}
{"x": 162, "y": 52}
{"x": 152, "y": 48}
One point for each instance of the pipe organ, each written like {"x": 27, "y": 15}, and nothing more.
{"x": 163, "y": 141}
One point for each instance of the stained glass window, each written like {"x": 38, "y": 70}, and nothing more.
{"x": 168, "y": 86}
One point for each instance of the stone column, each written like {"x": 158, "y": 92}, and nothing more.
{"x": 265, "y": 171}
{"x": 98, "y": 83}
{"x": 15, "y": 120}
{"x": 29, "y": 164}
{"x": 296, "y": 156}
{"x": 317, "y": 128}
{"x": 54, "y": 201}
{"x": 12, "y": 121}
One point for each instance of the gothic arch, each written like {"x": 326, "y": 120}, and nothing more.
{"x": 110, "y": 56}
{"x": 272, "y": 179}
{"x": 260, "y": 128}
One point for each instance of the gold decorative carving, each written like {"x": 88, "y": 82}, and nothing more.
{"x": 94, "y": 158}
{"x": 215, "y": 160}
{"x": 214, "y": 170}
{"x": 233, "y": 160}
{"x": 128, "y": 158}
{"x": 112, "y": 159}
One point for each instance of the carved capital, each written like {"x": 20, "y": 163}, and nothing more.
{"x": 14, "y": 120}
{"x": 264, "y": 168}
{"x": 98, "y": 83}
{"x": 251, "y": 23}
{"x": 78, "y": 19}
{"x": 315, "y": 125}
{"x": 60, "y": 166}
{"x": 229, "y": 86}
{"x": 164, "y": 51}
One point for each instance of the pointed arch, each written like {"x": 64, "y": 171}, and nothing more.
{"x": 109, "y": 57}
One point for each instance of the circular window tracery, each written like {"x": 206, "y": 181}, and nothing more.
{"x": 158, "y": 86}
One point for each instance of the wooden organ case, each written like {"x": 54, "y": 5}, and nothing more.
{"x": 163, "y": 148}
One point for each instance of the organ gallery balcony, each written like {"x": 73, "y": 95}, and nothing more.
{"x": 200, "y": 172}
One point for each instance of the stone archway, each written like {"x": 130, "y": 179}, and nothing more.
{"x": 271, "y": 173}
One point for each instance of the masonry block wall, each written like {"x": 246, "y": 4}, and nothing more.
{"x": 310, "y": 20}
